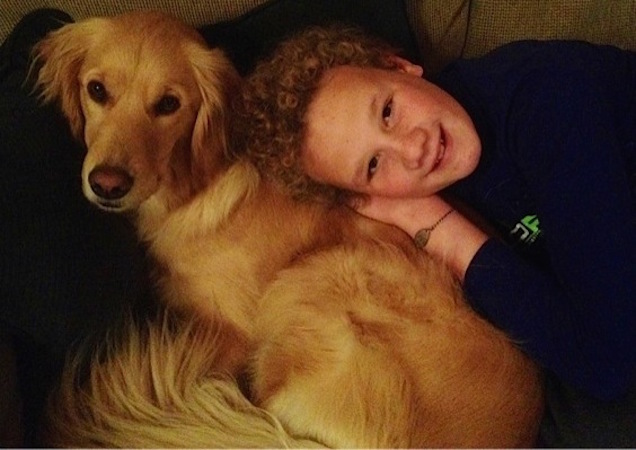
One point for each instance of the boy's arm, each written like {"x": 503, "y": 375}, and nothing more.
{"x": 580, "y": 321}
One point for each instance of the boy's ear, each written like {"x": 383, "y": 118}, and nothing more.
{"x": 407, "y": 66}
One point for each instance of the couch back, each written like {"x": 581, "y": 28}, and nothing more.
{"x": 444, "y": 29}
{"x": 448, "y": 29}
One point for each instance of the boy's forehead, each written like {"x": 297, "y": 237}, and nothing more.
{"x": 338, "y": 85}
{"x": 351, "y": 85}
{"x": 347, "y": 82}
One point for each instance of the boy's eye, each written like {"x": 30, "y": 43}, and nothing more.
{"x": 373, "y": 167}
{"x": 387, "y": 110}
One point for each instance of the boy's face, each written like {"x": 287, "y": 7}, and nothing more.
{"x": 388, "y": 133}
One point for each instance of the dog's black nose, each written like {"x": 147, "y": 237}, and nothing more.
{"x": 110, "y": 183}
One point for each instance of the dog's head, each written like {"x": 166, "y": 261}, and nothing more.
{"x": 149, "y": 100}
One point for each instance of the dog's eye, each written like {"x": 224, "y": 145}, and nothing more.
{"x": 167, "y": 105}
{"x": 97, "y": 91}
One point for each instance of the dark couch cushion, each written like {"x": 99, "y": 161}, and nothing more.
{"x": 254, "y": 34}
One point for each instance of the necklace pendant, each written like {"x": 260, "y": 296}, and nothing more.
{"x": 421, "y": 237}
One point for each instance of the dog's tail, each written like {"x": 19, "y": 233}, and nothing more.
{"x": 157, "y": 388}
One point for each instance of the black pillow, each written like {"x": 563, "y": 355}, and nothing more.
{"x": 247, "y": 38}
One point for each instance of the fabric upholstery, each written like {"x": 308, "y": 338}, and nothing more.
{"x": 444, "y": 29}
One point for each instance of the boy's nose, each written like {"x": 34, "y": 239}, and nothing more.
{"x": 413, "y": 147}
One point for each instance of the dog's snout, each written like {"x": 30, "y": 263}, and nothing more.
{"x": 110, "y": 183}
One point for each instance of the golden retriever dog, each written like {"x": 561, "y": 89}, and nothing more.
{"x": 347, "y": 335}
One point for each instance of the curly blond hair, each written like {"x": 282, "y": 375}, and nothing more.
{"x": 270, "y": 122}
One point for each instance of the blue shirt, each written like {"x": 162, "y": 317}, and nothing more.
{"x": 557, "y": 177}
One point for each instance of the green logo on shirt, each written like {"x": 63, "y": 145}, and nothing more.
{"x": 527, "y": 230}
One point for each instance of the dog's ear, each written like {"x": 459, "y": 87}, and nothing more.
{"x": 218, "y": 82}
{"x": 60, "y": 55}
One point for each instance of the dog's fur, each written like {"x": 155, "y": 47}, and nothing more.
{"x": 350, "y": 336}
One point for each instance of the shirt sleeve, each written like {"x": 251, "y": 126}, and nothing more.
{"x": 568, "y": 139}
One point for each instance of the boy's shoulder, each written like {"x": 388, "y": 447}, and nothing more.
{"x": 537, "y": 68}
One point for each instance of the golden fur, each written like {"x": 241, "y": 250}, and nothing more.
{"x": 350, "y": 337}
{"x": 155, "y": 385}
